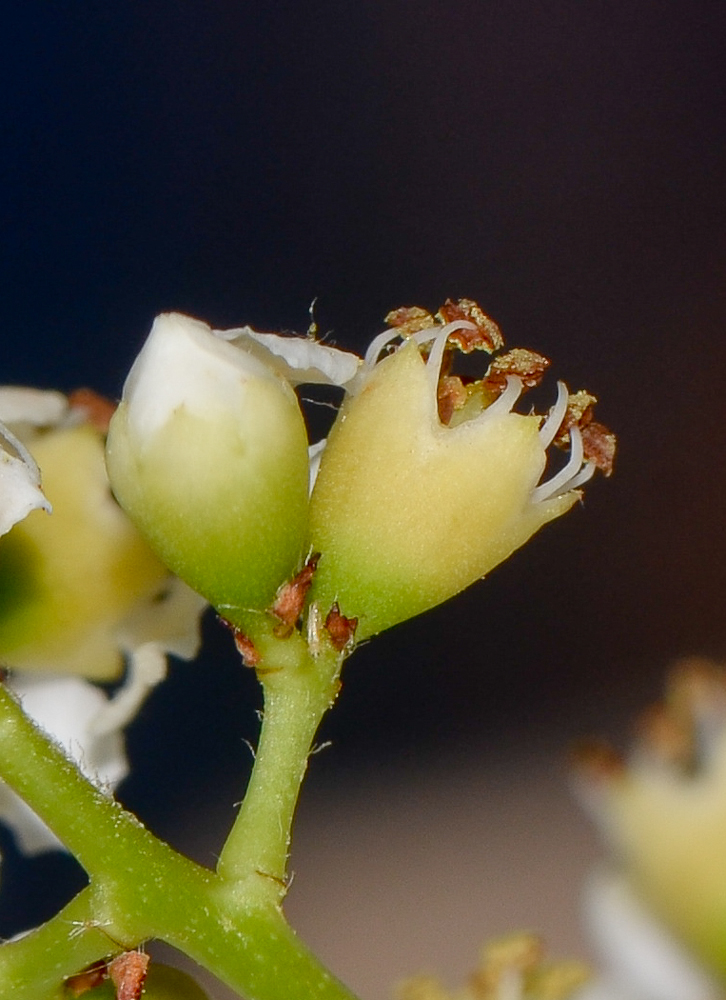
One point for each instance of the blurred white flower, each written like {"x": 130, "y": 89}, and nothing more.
{"x": 661, "y": 911}
{"x": 80, "y": 593}
{"x": 19, "y": 482}
{"x": 87, "y": 725}
{"x": 639, "y": 958}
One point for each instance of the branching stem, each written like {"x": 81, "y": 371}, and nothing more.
{"x": 230, "y": 921}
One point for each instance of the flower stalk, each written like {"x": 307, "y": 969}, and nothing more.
{"x": 295, "y": 703}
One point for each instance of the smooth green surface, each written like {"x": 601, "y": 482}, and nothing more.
{"x": 224, "y": 504}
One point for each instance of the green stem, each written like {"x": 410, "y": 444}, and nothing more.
{"x": 93, "y": 826}
{"x": 254, "y": 951}
{"x": 295, "y": 702}
{"x": 251, "y": 948}
{"x": 140, "y": 888}
{"x": 35, "y": 965}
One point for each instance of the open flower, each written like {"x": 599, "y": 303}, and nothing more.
{"x": 663, "y": 816}
{"x": 427, "y": 482}
{"x": 81, "y": 594}
{"x": 77, "y": 589}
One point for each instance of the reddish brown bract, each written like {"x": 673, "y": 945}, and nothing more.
{"x": 88, "y": 979}
{"x": 290, "y": 599}
{"x": 340, "y": 629}
{"x": 128, "y": 972}
{"x": 246, "y": 649}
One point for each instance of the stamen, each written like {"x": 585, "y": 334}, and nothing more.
{"x": 506, "y": 400}
{"x": 560, "y": 482}
{"x": 548, "y": 430}
{"x": 436, "y": 354}
{"x": 434, "y": 332}
{"x": 583, "y": 476}
{"x": 377, "y": 344}
{"x": 440, "y": 334}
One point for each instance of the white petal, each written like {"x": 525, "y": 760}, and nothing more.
{"x": 67, "y": 709}
{"x": 19, "y": 482}
{"x": 601, "y": 989}
{"x": 20, "y": 405}
{"x": 641, "y": 959}
{"x": 183, "y": 366}
{"x": 315, "y": 454}
{"x": 147, "y": 668}
{"x": 170, "y": 621}
{"x": 300, "y": 360}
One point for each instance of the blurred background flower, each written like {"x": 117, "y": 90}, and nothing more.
{"x": 564, "y": 165}
{"x": 82, "y": 597}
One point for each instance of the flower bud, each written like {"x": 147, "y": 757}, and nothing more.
{"x": 207, "y": 453}
{"x": 407, "y": 510}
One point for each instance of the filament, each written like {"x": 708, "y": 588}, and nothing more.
{"x": 560, "y": 482}
{"x": 549, "y": 428}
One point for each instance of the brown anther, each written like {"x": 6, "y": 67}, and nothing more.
{"x": 596, "y": 760}
{"x": 340, "y": 629}
{"x": 290, "y": 599}
{"x": 665, "y": 737}
{"x": 695, "y": 702}
{"x": 529, "y": 366}
{"x": 88, "y": 979}
{"x": 96, "y": 408}
{"x": 696, "y": 687}
{"x": 409, "y": 320}
{"x": 486, "y": 337}
{"x": 128, "y": 972}
{"x": 580, "y": 409}
{"x": 598, "y": 443}
{"x": 246, "y": 649}
{"x": 599, "y": 446}
{"x": 451, "y": 395}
